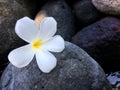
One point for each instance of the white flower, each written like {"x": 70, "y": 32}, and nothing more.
{"x": 41, "y": 41}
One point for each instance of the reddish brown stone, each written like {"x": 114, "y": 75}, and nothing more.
{"x": 102, "y": 41}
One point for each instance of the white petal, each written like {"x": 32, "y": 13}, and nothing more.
{"x": 55, "y": 44}
{"x": 46, "y": 61}
{"x": 26, "y": 29}
{"x": 22, "y": 56}
{"x": 48, "y": 28}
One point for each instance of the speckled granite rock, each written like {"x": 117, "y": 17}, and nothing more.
{"x": 108, "y": 6}
{"x": 63, "y": 15}
{"x": 76, "y": 70}
{"x": 10, "y": 12}
{"x": 102, "y": 41}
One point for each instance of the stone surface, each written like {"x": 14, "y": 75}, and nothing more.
{"x": 10, "y": 12}
{"x": 32, "y": 6}
{"x": 114, "y": 79}
{"x": 102, "y": 41}
{"x": 86, "y": 13}
{"x": 108, "y": 6}
{"x": 75, "y": 70}
{"x": 63, "y": 15}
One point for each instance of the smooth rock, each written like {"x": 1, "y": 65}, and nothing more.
{"x": 10, "y": 12}
{"x": 108, "y": 6}
{"x": 102, "y": 41}
{"x": 63, "y": 15}
{"x": 86, "y": 13}
{"x": 75, "y": 70}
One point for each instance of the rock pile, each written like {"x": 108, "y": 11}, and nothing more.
{"x": 93, "y": 25}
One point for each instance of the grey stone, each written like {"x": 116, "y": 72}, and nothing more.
{"x": 75, "y": 70}
{"x": 108, "y": 6}
{"x": 10, "y": 12}
{"x": 63, "y": 15}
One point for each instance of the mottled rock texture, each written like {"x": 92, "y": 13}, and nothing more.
{"x": 102, "y": 41}
{"x": 10, "y": 12}
{"x": 114, "y": 79}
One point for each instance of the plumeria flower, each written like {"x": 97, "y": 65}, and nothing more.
{"x": 41, "y": 40}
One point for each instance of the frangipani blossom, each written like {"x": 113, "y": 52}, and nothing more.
{"x": 41, "y": 40}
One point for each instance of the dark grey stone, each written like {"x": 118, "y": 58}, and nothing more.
{"x": 75, "y": 70}
{"x": 102, "y": 41}
{"x": 32, "y": 6}
{"x": 63, "y": 15}
{"x": 10, "y": 12}
{"x": 86, "y": 13}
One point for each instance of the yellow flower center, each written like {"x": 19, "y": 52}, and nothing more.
{"x": 37, "y": 44}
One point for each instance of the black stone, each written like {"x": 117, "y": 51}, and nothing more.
{"x": 63, "y": 15}
{"x": 86, "y": 13}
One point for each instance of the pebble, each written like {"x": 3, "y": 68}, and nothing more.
{"x": 102, "y": 41}
{"x": 86, "y": 13}
{"x": 75, "y": 70}
{"x": 64, "y": 17}
{"x": 108, "y": 6}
